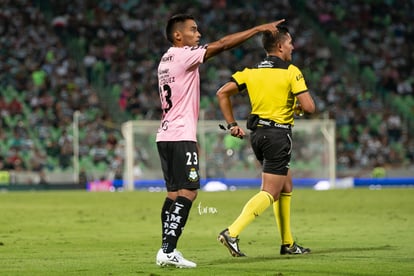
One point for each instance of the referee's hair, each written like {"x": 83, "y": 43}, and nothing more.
{"x": 270, "y": 41}
{"x": 172, "y": 24}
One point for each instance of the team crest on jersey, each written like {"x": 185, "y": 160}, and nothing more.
{"x": 193, "y": 175}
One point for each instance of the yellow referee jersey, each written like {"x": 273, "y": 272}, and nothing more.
{"x": 272, "y": 85}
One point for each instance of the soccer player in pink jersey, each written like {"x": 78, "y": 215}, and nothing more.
{"x": 179, "y": 88}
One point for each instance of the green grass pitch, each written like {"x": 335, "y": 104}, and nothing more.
{"x": 351, "y": 232}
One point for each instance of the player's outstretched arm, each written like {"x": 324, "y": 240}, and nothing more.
{"x": 233, "y": 40}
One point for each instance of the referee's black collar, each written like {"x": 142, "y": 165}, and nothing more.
{"x": 273, "y": 58}
{"x": 273, "y": 62}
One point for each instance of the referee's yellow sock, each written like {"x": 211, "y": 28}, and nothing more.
{"x": 253, "y": 208}
{"x": 281, "y": 210}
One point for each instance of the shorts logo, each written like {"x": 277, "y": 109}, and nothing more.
{"x": 193, "y": 175}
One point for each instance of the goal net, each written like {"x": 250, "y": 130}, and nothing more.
{"x": 228, "y": 159}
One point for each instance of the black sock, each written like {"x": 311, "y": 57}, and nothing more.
{"x": 177, "y": 219}
{"x": 165, "y": 212}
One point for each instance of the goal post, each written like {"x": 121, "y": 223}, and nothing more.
{"x": 230, "y": 159}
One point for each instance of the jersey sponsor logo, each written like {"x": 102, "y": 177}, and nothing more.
{"x": 192, "y": 48}
{"x": 193, "y": 175}
{"x": 169, "y": 58}
{"x": 299, "y": 77}
{"x": 198, "y": 47}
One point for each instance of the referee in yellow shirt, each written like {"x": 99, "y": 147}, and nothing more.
{"x": 277, "y": 90}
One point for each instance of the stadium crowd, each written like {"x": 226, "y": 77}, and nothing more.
{"x": 100, "y": 58}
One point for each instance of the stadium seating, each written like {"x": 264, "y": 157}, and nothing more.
{"x": 103, "y": 48}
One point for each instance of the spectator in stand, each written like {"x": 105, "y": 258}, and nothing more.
{"x": 30, "y": 42}
{"x": 15, "y": 107}
{"x": 4, "y": 107}
{"x": 111, "y": 141}
{"x": 14, "y": 160}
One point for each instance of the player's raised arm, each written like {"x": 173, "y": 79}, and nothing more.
{"x": 233, "y": 40}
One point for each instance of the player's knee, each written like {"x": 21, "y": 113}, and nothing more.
{"x": 189, "y": 194}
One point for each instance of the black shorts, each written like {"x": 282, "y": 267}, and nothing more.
{"x": 272, "y": 147}
{"x": 179, "y": 163}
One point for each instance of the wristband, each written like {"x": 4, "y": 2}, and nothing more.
{"x": 229, "y": 126}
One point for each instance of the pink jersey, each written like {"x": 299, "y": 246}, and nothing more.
{"x": 179, "y": 88}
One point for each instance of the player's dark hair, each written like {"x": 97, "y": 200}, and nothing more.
{"x": 270, "y": 41}
{"x": 172, "y": 24}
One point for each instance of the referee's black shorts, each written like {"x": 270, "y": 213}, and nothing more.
{"x": 272, "y": 147}
{"x": 179, "y": 163}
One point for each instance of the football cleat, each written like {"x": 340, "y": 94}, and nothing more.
{"x": 174, "y": 258}
{"x": 294, "y": 249}
{"x": 231, "y": 243}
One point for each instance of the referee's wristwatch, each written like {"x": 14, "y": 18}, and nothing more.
{"x": 233, "y": 124}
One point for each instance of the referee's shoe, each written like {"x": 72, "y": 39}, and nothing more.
{"x": 293, "y": 249}
{"x": 232, "y": 243}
